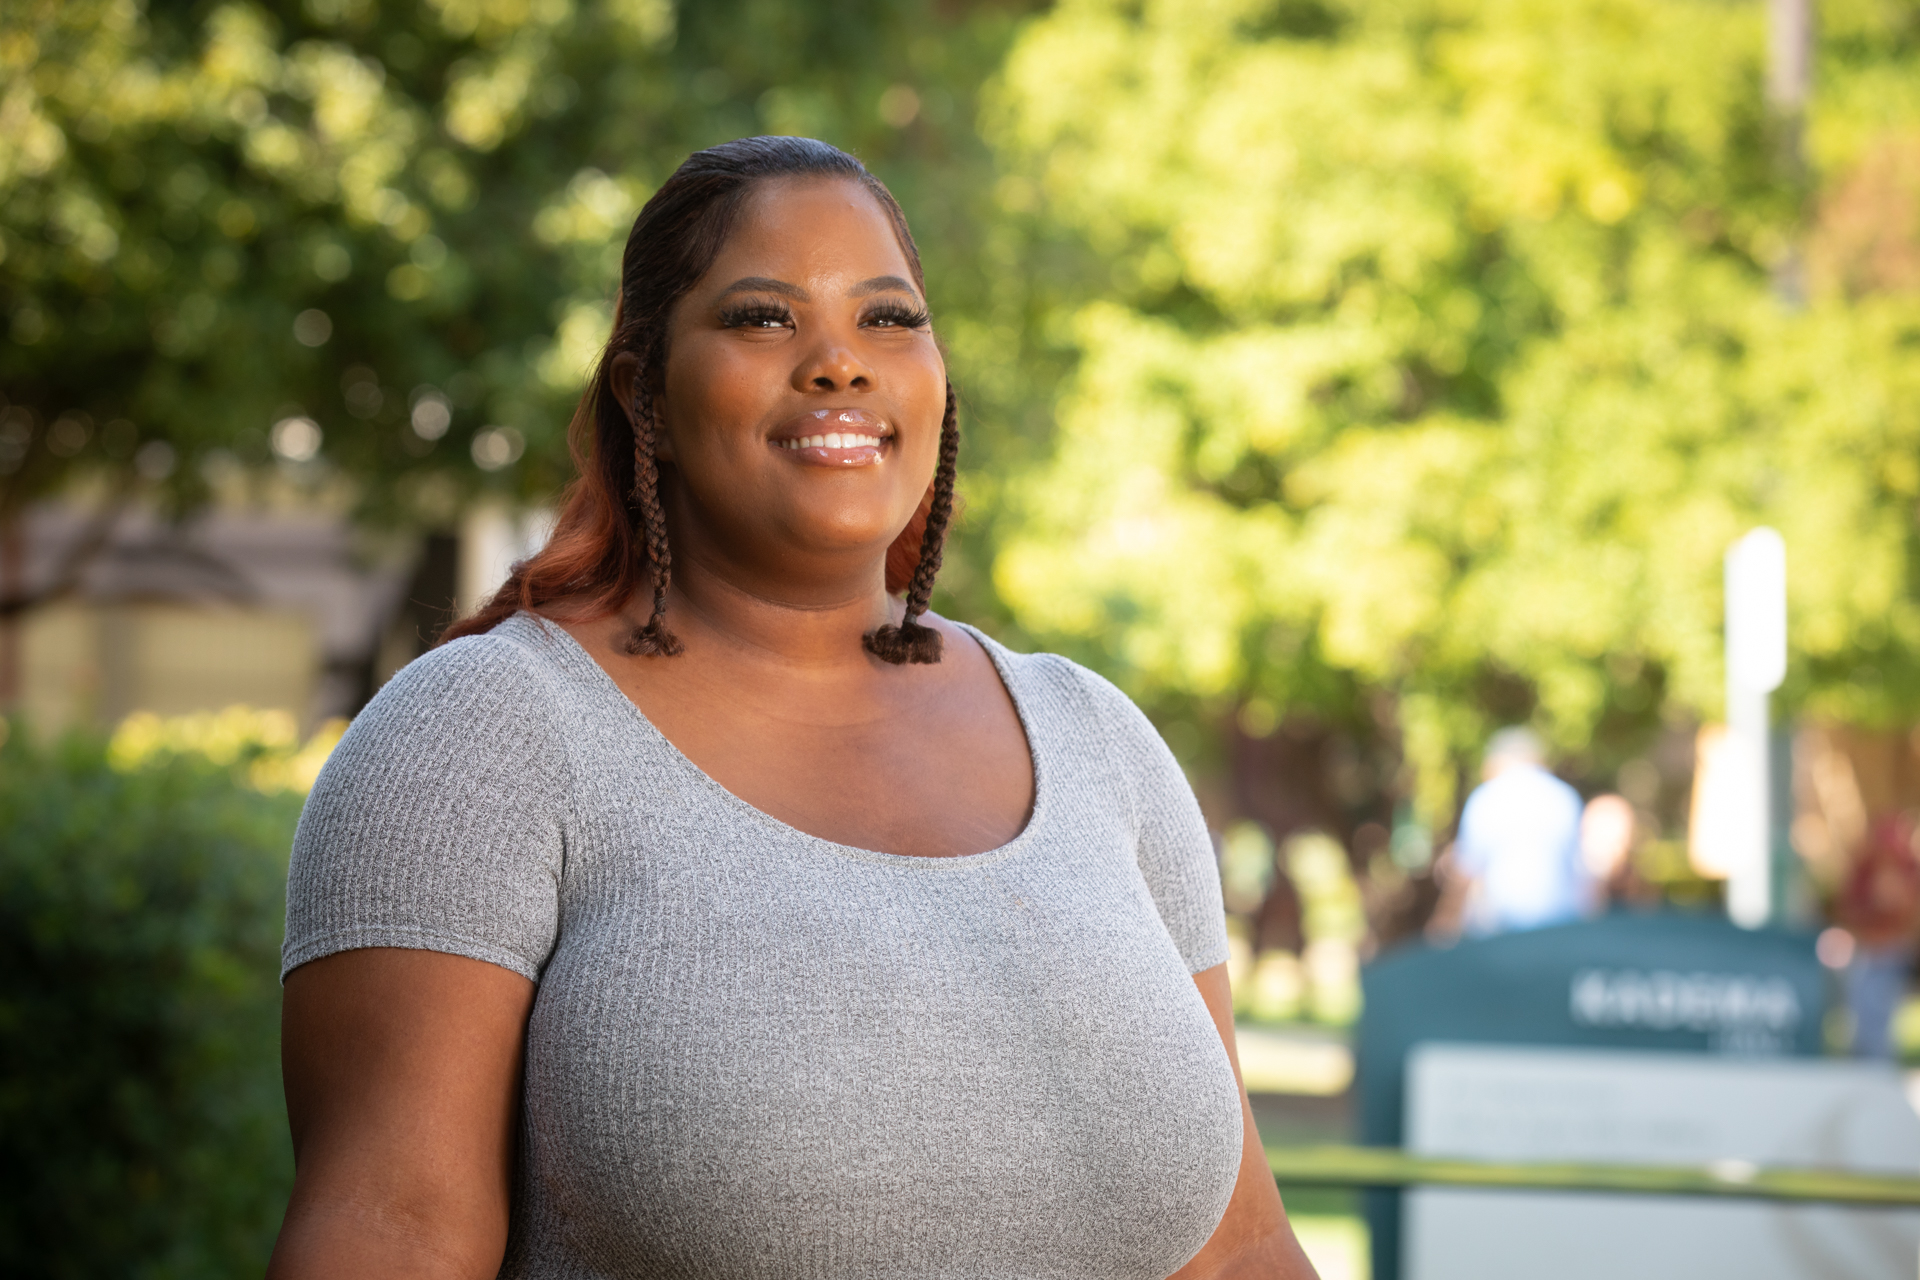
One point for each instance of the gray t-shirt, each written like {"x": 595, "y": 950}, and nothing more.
{"x": 757, "y": 1053}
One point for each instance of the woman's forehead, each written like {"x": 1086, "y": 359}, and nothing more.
{"x": 810, "y": 229}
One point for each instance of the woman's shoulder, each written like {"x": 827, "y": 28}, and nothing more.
{"x": 492, "y": 693}
{"x": 476, "y": 672}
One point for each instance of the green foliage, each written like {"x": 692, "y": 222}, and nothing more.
{"x": 448, "y": 182}
{"x": 1447, "y": 347}
{"x": 142, "y": 1131}
{"x": 1404, "y": 364}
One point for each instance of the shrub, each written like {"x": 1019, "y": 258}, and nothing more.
{"x": 142, "y": 1131}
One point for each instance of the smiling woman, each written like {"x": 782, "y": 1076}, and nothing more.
{"x": 676, "y": 294}
{"x": 707, "y": 907}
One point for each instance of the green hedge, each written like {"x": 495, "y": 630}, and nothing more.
{"x": 142, "y": 1131}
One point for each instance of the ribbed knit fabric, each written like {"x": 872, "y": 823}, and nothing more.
{"x": 757, "y": 1053}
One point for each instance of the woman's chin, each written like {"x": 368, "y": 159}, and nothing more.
{"x": 844, "y": 539}
{"x": 842, "y": 518}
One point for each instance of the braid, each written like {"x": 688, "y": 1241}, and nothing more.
{"x": 653, "y": 639}
{"x": 911, "y": 641}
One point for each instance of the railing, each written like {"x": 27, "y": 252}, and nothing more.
{"x": 1724, "y": 1179}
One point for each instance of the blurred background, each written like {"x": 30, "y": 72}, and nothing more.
{"x": 1349, "y": 380}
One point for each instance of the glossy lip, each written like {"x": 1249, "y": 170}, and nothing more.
{"x": 847, "y": 421}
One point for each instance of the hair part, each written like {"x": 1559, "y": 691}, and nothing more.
{"x": 610, "y": 543}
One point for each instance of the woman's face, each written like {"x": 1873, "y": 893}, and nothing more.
{"x": 803, "y": 392}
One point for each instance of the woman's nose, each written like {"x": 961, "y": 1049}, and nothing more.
{"x": 832, "y": 366}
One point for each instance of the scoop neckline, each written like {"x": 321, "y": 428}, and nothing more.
{"x": 572, "y": 652}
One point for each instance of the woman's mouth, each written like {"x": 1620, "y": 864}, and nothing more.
{"x": 832, "y": 440}
{"x": 834, "y": 437}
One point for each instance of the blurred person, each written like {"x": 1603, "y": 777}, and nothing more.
{"x": 1879, "y": 905}
{"x": 1516, "y": 861}
{"x": 1606, "y": 836}
{"x": 705, "y": 906}
{"x": 1609, "y": 835}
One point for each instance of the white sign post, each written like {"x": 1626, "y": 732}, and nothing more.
{"x": 1756, "y": 605}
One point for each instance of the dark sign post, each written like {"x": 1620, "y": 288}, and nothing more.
{"x": 1685, "y": 983}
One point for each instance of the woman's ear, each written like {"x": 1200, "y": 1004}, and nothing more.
{"x": 623, "y": 379}
{"x": 621, "y": 372}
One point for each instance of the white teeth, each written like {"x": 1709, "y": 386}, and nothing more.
{"x": 831, "y": 440}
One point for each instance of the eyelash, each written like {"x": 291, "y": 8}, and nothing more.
{"x": 893, "y": 313}
{"x": 736, "y": 317}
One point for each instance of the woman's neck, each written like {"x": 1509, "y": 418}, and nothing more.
{"x": 817, "y": 621}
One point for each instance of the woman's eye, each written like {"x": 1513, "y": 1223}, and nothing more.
{"x": 896, "y": 318}
{"x": 755, "y": 318}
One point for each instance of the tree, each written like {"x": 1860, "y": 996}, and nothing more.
{"x": 1445, "y": 353}
{"x": 366, "y": 250}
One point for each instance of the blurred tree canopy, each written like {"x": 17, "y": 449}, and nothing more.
{"x": 373, "y": 245}
{"x": 1448, "y": 345}
{"x": 1409, "y": 364}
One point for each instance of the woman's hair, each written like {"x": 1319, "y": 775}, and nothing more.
{"x": 611, "y": 538}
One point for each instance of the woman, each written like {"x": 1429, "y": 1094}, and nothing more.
{"x": 704, "y": 909}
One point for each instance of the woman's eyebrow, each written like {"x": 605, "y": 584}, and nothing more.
{"x": 765, "y": 284}
{"x": 882, "y": 284}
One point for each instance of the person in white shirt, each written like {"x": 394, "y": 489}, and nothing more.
{"x": 1516, "y": 863}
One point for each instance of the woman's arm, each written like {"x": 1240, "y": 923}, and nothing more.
{"x": 402, "y": 1072}
{"x": 1253, "y": 1238}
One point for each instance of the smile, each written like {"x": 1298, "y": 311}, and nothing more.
{"x": 832, "y": 440}
{"x": 844, "y": 437}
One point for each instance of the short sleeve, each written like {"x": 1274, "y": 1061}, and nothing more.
{"x": 1175, "y": 852}
{"x": 438, "y": 823}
